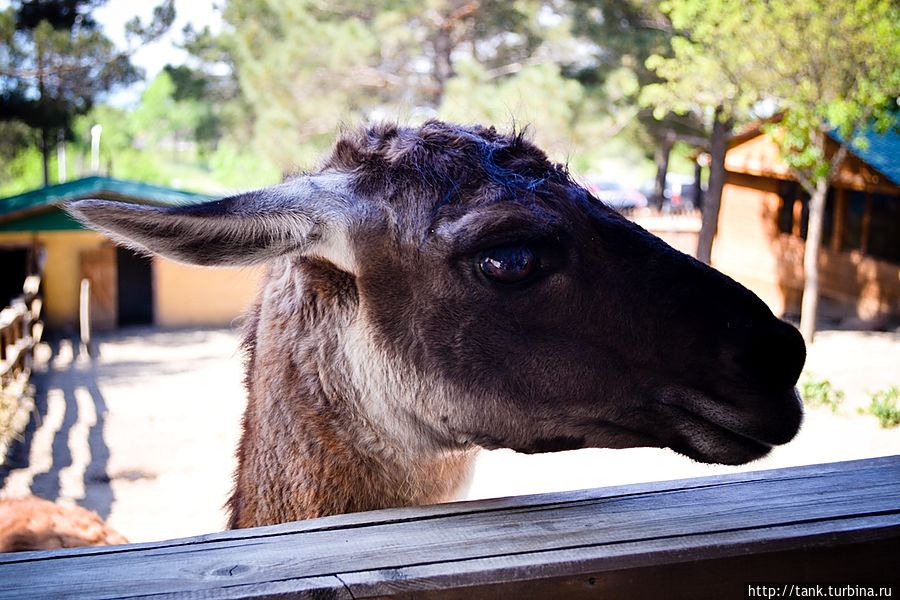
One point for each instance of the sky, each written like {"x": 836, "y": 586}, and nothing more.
{"x": 153, "y": 57}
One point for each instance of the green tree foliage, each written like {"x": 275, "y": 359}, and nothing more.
{"x": 623, "y": 35}
{"x": 56, "y": 61}
{"x": 121, "y": 155}
{"x": 167, "y": 139}
{"x": 302, "y": 72}
{"x": 838, "y": 70}
{"x": 282, "y": 77}
{"x": 710, "y": 64}
{"x": 538, "y": 95}
{"x": 174, "y": 117}
{"x": 14, "y": 137}
{"x": 193, "y": 87}
{"x": 303, "y": 68}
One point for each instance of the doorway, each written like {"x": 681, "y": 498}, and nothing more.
{"x": 135, "y": 286}
{"x": 14, "y": 268}
{"x": 121, "y": 287}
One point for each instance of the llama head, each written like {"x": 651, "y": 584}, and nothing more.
{"x": 515, "y": 309}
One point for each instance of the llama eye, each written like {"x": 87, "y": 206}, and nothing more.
{"x": 508, "y": 265}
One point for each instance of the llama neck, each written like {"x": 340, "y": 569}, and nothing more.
{"x": 319, "y": 437}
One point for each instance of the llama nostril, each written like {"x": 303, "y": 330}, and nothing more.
{"x": 776, "y": 355}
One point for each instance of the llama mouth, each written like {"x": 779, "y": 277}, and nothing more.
{"x": 595, "y": 433}
{"x": 711, "y": 430}
{"x": 708, "y": 442}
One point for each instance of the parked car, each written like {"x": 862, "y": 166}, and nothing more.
{"x": 615, "y": 195}
{"x": 680, "y": 191}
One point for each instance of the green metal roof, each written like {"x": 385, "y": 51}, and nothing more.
{"x": 27, "y": 212}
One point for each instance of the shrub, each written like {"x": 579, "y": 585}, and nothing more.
{"x": 884, "y": 406}
{"x": 821, "y": 393}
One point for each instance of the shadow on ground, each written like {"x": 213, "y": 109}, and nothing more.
{"x": 42, "y": 460}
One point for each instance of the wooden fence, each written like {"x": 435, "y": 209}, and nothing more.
{"x": 700, "y": 538}
{"x": 20, "y": 330}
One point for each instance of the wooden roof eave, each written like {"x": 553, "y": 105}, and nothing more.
{"x": 855, "y": 183}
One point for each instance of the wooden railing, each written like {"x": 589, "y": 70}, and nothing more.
{"x": 711, "y": 537}
{"x": 20, "y": 330}
{"x": 680, "y": 230}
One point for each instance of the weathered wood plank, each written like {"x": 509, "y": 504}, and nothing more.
{"x": 786, "y": 515}
{"x": 423, "y": 512}
{"x": 718, "y": 579}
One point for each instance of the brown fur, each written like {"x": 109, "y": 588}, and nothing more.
{"x": 31, "y": 523}
{"x": 308, "y": 451}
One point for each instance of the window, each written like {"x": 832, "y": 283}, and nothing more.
{"x": 871, "y": 221}
{"x": 788, "y": 190}
{"x": 793, "y": 212}
{"x": 854, "y": 220}
{"x": 884, "y": 228}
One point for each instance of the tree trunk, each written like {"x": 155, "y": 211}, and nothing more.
{"x": 61, "y": 166}
{"x": 45, "y": 154}
{"x": 698, "y": 187}
{"x": 45, "y": 134}
{"x": 661, "y": 157}
{"x": 443, "y": 63}
{"x": 809, "y": 307}
{"x": 718, "y": 145}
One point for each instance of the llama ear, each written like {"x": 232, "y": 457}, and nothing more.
{"x": 309, "y": 215}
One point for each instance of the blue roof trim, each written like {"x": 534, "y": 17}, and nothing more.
{"x": 90, "y": 187}
{"x": 882, "y": 152}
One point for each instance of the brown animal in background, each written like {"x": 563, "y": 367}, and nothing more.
{"x": 436, "y": 289}
{"x": 31, "y": 523}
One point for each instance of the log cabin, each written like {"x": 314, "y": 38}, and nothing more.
{"x": 763, "y": 222}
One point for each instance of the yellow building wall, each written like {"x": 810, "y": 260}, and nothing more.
{"x": 188, "y": 295}
{"x": 62, "y": 269}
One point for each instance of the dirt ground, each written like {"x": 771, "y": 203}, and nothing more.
{"x": 145, "y": 434}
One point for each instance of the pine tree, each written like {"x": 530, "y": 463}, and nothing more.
{"x": 56, "y": 61}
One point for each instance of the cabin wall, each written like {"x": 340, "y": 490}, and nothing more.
{"x": 750, "y": 248}
{"x": 852, "y": 283}
{"x": 744, "y": 244}
{"x": 188, "y": 295}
